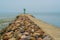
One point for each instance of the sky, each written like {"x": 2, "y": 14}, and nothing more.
{"x": 46, "y": 10}
{"x": 30, "y": 5}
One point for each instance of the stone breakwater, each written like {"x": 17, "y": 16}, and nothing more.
{"x": 22, "y": 28}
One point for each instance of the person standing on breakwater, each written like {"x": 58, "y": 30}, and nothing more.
{"x": 24, "y": 10}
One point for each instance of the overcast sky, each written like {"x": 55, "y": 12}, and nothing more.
{"x": 30, "y": 5}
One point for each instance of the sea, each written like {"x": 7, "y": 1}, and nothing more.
{"x": 50, "y": 18}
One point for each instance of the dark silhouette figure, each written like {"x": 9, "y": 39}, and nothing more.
{"x": 24, "y": 10}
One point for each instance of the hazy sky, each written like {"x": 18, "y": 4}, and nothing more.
{"x": 30, "y": 5}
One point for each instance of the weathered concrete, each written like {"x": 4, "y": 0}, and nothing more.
{"x": 53, "y": 31}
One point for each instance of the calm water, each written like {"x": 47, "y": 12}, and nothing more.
{"x": 50, "y": 18}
